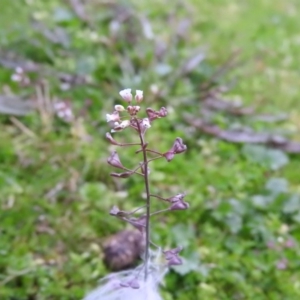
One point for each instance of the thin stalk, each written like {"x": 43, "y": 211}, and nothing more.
{"x": 160, "y": 211}
{"x": 158, "y": 197}
{"x": 147, "y": 187}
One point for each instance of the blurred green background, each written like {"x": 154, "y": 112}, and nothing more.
{"x": 240, "y": 235}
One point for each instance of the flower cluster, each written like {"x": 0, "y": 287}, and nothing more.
{"x": 128, "y": 117}
{"x": 131, "y": 110}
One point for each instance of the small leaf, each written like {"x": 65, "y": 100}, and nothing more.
{"x": 271, "y": 158}
{"x": 292, "y": 205}
{"x": 261, "y": 201}
{"x": 62, "y": 15}
{"x": 190, "y": 264}
{"x": 277, "y": 186}
{"x": 183, "y": 234}
{"x": 234, "y": 222}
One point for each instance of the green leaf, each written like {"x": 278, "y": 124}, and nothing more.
{"x": 270, "y": 158}
{"x": 184, "y": 235}
{"x": 277, "y": 186}
{"x": 261, "y": 201}
{"x": 292, "y": 205}
{"x": 190, "y": 264}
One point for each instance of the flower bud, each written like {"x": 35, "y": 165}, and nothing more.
{"x": 178, "y": 197}
{"x": 126, "y": 95}
{"x": 179, "y": 205}
{"x": 172, "y": 256}
{"x": 114, "y": 160}
{"x": 152, "y": 114}
{"x": 175, "y": 261}
{"x": 111, "y": 139}
{"x": 115, "y": 211}
{"x": 138, "y": 223}
{"x": 140, "y": 124}
{"x": 169, "y": 155}
{"x": 139, "y": 96}
{"x": 133, "y": 110}
{"x": 178, "y": 147}
{"x": 119, "y": 108}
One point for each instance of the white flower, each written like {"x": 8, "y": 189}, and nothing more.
{"x": 146, "y": 123}
{"x": 120, "y": 126}
{"x": 113, "y": 117}
{"x": 125, "y": 124}
{"x": 119, "y": 108}
{"x": 139, "y": 96}
{"x": 126, "y": 95}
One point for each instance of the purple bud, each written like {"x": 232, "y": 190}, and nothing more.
{"x": 114, "y": 160}
{"x": 169, "y": 253}
{"x": 169, "y": 155}
{"x": 178, "y": 146}
{"x": 133, "y": 110}
{"x": 138, "y": 223}
{"x": 152, "y": 114}
{"x": 121, "y": 175}
{"x": 111, "y": 139}
{"x": 179, "y": 205}
{"x": 178, "y": 197}
{"x": 175, "y": 261}
{"x": 163, "y": 112}
{"x": 172, "y": 256}
{"x": 142, "y": 125}
{"x": 114, "y": 211}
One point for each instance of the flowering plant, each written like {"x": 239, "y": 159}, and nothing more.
{"x": 129, "y": 117}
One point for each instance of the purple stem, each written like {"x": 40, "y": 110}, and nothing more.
{"x": 158, "y": 197}
{"x": 146, "y": 179}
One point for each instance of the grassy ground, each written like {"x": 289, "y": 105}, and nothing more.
{"x": 241, "y": 233}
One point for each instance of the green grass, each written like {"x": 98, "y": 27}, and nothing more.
{"x": 56, "y": 191}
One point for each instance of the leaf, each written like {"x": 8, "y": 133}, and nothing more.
{"x": 190, "y": 264}
{"x": 277, "y": 186}
{"x": 234, "y": 222}
{"x": 261, "y": 201}
{"x": 237, "y": 206}
{"x": 271, "y": 158}
{"x": 62, "y": 15}
{"x": 296, "y": 218}
{"x": 184, "y": 235}
{"x": 292, "y": 205}
{"x": 163, "y": 69}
